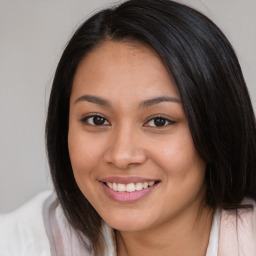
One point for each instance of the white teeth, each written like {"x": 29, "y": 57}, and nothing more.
{"x": 145, "y": 184}
{"x": 121, "y": 187}
{"x": 138, "y": 186}
{"x": 115, "y": 188}
{"x": 110, "y": 185}
{"x": 131, "y": 187}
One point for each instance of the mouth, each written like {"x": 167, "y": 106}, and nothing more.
{"x": 128, "y": 189}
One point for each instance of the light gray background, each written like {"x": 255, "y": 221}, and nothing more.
{"x": 33, "y": 34}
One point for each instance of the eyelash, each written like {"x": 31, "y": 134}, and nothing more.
{"x": 151, "y": 119}
{"x": 162, "y": 117}
{"x": 84, "y": 120}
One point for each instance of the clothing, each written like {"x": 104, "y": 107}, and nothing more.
{"x": 40, "y": 228}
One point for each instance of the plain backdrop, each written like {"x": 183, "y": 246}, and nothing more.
{"x": 33, "y": 34}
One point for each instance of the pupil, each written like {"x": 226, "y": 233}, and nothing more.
{"x": 98, "y": 120}
{"x": 159, "y": 122}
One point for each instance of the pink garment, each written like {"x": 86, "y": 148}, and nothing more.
{"x": 237, "y": 233}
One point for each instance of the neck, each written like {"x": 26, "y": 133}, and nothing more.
{"x": 185, "y": 235}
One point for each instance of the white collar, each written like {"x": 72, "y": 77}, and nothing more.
{"x": 212, "y": 249}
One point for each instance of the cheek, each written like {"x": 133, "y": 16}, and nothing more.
{"x": 85, "y": 156}
{"x": 184, "y": 173}
{"x": 84, "y": 153}
{"x": 182, "y": 167}
{"x": 177, "y": 153}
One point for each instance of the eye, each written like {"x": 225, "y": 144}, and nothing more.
{"x": 159, "y": 122}
{"x": 95, "y": 120}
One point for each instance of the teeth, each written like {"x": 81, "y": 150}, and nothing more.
{"x": 138, "y": 186}
{"x": 145, "y": 184}
{"x": 115, "y": 188}
{"x": 110, "y": 185}
{"x": 121, "y": 187}
{"x": 131, "y": 187}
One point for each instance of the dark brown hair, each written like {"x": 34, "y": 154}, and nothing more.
{"x": 214, "y": 95}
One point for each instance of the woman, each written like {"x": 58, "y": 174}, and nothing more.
{"x": 151, "y": 141}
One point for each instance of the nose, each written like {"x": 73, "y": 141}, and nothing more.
{"x": 125, "y": 149}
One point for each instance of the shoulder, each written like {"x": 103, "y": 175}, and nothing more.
{"x": 242, "y": 215}
{"x": 238, "y": 231}
{"x": 22, "y": 232}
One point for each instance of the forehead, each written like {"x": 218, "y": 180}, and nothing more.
{"x": 123, "y": 68}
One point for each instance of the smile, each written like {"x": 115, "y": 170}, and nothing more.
{"x": 131, "y": 187}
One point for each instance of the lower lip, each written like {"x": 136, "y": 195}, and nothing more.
{"x": 124, "y": 197}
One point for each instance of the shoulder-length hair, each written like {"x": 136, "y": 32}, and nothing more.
{"x": 214, "y": 95}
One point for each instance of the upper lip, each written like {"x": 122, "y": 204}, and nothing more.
{"x": 126, "y": 180}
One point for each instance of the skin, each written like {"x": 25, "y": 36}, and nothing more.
{"x": 172, "y": 219}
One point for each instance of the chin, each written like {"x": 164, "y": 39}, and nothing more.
{"x": 128, "y": 222}
{"x": 127, "y": 226}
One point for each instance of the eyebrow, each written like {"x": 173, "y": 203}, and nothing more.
{"x": 93, "y": 99}
{"x": 157, "y": 100}
{"x": 143, "y": 104}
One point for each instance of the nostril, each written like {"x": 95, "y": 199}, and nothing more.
{"x": 124, "y": 160}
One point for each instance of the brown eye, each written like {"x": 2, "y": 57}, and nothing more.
{"x": 159, "y": 122}
{"x": 95, "y": 120}
{"x": 98, "y": 120}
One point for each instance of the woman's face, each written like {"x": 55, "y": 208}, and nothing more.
{"x": 130, "y": 146}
